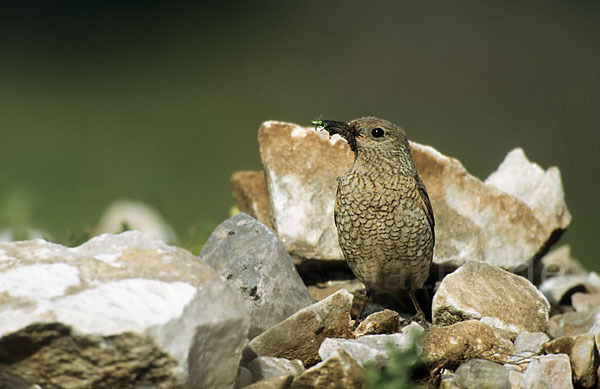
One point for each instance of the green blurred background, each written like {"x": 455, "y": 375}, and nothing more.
{"x": 161, "y": 102}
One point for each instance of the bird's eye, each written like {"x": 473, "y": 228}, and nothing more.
{"x": 377, "y": 132}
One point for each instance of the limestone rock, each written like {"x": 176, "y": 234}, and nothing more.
{"x": 482, "y": 221}
{"x": 251, "y": 196}
{"x": 321, "y": 290}
{"x": 301, "y": 166}
{"x": 585, "y": 302}
{"x": 575, "y": 323}
{"x": 541, "y": 190}
{"x": 268, "y": 367}
{"x": 466, "y": 340}
{"x": 123, "y": 215}
{"x": 279, "y": 382}
{"x": 549, "y": 372}
{"x": 557, "y": 262}
{"x": 118, "y": 311}
{"x": 249, "y": 255}
{"x": 499, "y": 298}
{"x": 338, "y": 371}
{"x": 300, "y": 335}
{"x": 558, "y": 289}
{"x": 382, "y": 322}
{"x": 481, "y": 374}
{"x": 528, "y": 343}
{"x": 582, "y": 354}
{"x": 371, "y": 348}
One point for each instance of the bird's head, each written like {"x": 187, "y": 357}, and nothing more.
{"x": 368, "y": 135}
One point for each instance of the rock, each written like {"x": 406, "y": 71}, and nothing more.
{"x": 300, "y": 335}
{"x": 321, "y": 290}
{"x": 279, "y": 382}
{"x": 549, "y": 372}
{"x": 383, "y": 322}
{"x": 516, "y": 378}
{"x": 338, "y": 371}
{"x": 557, "y": 262}
{"x": 447, "y": 380}
{"x": 541, "y": 190}
{"x": 492, "y": 221}
{"x": 481, "y": 374}
{"x": 582, "y": 354}
{"x": 558, "y": 290}
{"x": 249, "y": 255}
{"x": 528, "y": 343}
{"x": 575, "y": 323}
{"x": 585, "y": 302}
{"x": 371, "y": 349}
{"x": 465, "y": 340}
{"x": 268, "y": 367}
{"x": 301, "y": 167}
{"x": 244, "y": 378}
{"x": 124, "y": 215}
{"x": 118, "y": 311}
{"x": 251, "y": 196}
{"x": 501, "y": 299}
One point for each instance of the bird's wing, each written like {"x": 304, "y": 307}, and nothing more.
{"x": 425, "y": 204}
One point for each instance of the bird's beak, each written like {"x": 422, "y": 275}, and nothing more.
{"x": 343, "y": 129}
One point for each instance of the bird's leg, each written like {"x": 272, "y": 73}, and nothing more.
{"x": 420, "y": 314}
{"x": 368, "y": 295}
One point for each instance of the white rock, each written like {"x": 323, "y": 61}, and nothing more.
{"x": 160, "y": 300}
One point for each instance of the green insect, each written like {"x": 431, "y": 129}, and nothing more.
{"x": 318, "y": 122}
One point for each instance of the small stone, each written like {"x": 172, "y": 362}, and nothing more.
{"x": 528, "y": 343}
{"x": 516, "y": 379}
{"x": 582, "y": 354}
{"x": 575, "y": 323}
{"x": 549, "y": 372}
{"x": 125, "y": 215}
{"x": 371, "y": 348}
{"x": 251, "y": 196}
{"x": 557, "y": 289}
{"x": 499, "y": 298}
{"x": 279, "y": 382}
{"x": 321, "y": 290}
{"x": 481, "y": 374}
{"x": 338, "y": 371}
{"x": 585, "y": 302}
{"x": 301, "y": 167}
{"x": 118, "y": 311}
{"x": 383, "y": 322}
{"x": 244, "y": 377}
{"x": 447, "y": 380}
{"x": 466, "y": 340}
{"x": 300, "y": 335}
{"x": 267, "y": 367}
{"x": 249, "y": 255}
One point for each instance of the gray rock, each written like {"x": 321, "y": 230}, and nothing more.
{"x": 496, "y": 297}
{"x": 300, "y": 335}
{"x": 582, "y": 354}
{"x": 575, "y": 323}
{"x": 249, "y": 255}
{"x": 338, "y": 371}
{"x": 268, "y": 367}
{"x": 121, "y": 310}
{"x": 549, "y": 372}
{"x": 371, "y": 348}
{"x": 528, "y": 343}
{"x": 481, "y": 374}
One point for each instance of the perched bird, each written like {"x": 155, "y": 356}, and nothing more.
{"x": 382, "y": 211}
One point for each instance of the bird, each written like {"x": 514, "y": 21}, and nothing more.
{"x": 383, "y": 214}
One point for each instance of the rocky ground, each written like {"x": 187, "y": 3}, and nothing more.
{"x": 269, "y": 302}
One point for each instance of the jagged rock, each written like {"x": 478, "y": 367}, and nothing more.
{"x": 301, "y": 166}
{"x": 465, "y": 340}
{"x": 249, "y": 255}
{"x": 529, "y": 343}
{"x": 122, "y": 215}
{"x": 268, "y": 367}
{"x": 371, "y": 348}
{"x": 300, "y": 335}
{"x": 473, "y": 219}
{"x": 549, "y": 372}
{"x": 338, "y": 371}
{"x": 575, "y": 323}
{"x": 251, "y": 196}
{"x": 481, "y": 374}
{"x": 321, "y": 290}
{"x": 382, "y": 322}
{"x": 582, "y": 354}
{"x": 585, "y": 302}
{"x": 118, "y": 311}
{"x": 279, "y": 382}
{"x": 499, "y": 298}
